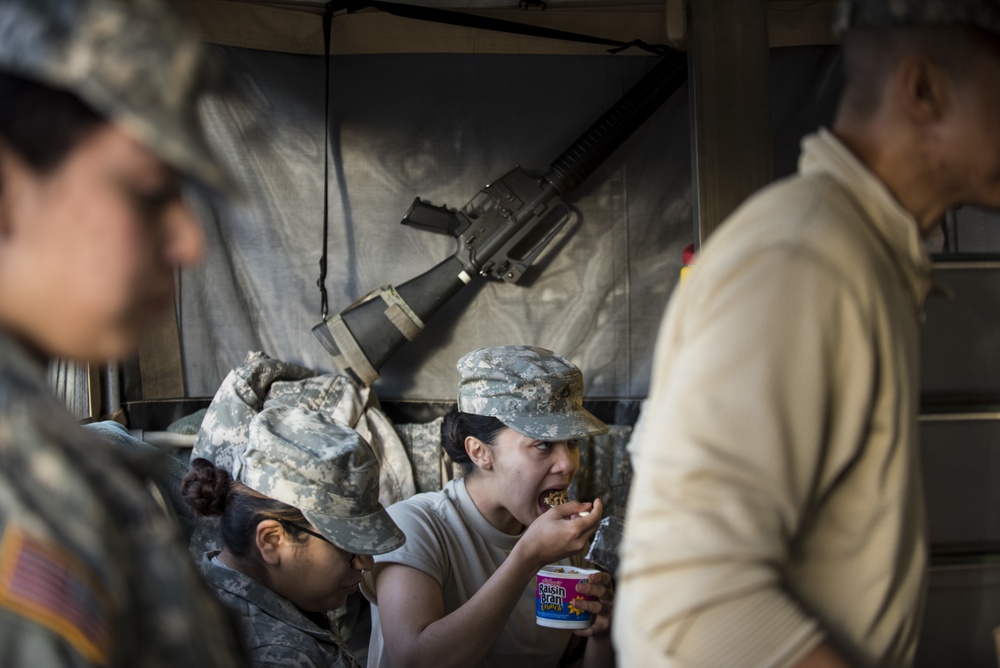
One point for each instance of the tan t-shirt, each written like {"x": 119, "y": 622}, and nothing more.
{"x": 450, "y": 540}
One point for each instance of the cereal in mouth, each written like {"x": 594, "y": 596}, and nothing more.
{"x": 556, "y": 497}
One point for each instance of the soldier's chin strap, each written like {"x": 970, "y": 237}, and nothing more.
{"x": 321, "y": 281}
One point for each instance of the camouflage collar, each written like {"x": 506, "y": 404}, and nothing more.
{"x": 256, "y": 594}
{"x": 22, "y": 362}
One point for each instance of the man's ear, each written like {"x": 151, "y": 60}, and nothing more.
{"x": 924, "y": 88}
{"x": 480, "y": 453}
{"x": 270, "y": 535}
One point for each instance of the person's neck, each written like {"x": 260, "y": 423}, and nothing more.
{"x": 230, "y": 560}
{"x": 225, "y": 557}
{"x": 482, "y": 494}
{"x": 902, "y": 167}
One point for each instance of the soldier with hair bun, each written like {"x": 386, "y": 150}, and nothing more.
{"x": 300, "y": 519}
{"x": 461, "y": 592}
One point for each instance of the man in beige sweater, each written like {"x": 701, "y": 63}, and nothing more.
{"x": 776, "y": 514}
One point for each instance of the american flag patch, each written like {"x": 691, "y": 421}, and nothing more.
{"x": 47, "y": 584}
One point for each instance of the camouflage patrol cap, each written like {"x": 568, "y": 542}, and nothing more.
{"x": 984, "y": 14}
{"x": 133, "y": 61}
{"x": 259, "y": 383}
{"x": 325, "y": 469}
{"x": 531, "y": 390}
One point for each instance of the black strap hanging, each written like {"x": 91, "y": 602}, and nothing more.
{"x": 321, "y": 281}
{"x": 489, "y": 23}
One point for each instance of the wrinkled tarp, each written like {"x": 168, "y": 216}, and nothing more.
{"x": 440, "y": 127}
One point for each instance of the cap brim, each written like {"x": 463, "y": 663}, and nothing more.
{"x": 368, "y": 534}
{"x": 579, "y": 423}
{"x": 185, "y": 148}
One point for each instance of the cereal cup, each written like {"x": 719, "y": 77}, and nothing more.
{"x": 554, "y": 602}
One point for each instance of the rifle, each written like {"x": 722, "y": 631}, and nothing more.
{"x": 500, "y": 233}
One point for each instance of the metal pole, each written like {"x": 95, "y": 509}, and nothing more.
{"x": 112, "y": 389}
{"x": 729, "y": 85}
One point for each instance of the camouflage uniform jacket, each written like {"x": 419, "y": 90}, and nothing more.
{"x": 92, "y": 571}
{"x": 278, "y": 633}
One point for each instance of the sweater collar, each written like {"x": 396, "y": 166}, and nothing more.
{"x": 824, "y": 153}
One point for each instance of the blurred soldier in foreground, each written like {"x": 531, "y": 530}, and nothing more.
{"x": 97, "y": 126}
{"x": 776, "y": 514}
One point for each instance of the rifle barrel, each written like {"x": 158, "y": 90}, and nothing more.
{"x": 611, "y": 130}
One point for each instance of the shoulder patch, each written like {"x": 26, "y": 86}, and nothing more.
{"x": 50, "y": 586}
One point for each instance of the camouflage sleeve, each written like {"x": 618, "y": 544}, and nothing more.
{"x": 24, "y": 642}
{"x": 58, "y": 602}
{"x": 284, "y": 656}
{"x": 88, "y": 557}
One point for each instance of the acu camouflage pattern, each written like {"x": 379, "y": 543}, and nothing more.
{"x": 894, "y": 13}
{"x": 605, "y": 470}
{"x": 133, "y": 61}
{"x": 262, "y": 382}
{"x": 277, "y": 633}
{"x": 73, "y": 491}
{"x": 532, "y": 390}
{"x": 432, "y": 467}
{"x": 325, "y": 469}
{"x": 225, "y": 430}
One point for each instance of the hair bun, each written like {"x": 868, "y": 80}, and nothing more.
{"x": 205, "y": 487}
{"x": 453, "y": 437}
